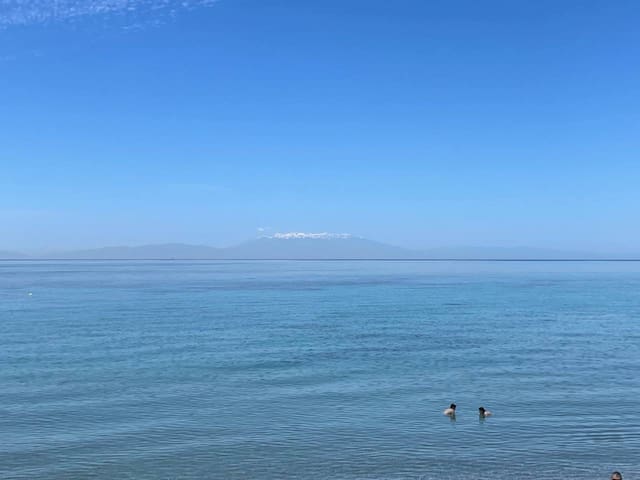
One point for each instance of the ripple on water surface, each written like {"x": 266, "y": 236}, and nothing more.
{"x": 319, "y": 370}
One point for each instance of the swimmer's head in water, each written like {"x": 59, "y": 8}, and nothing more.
{"x": 452, "y": 406}
{"x": 481, "y": 410}
{"x": 616, "y": 476}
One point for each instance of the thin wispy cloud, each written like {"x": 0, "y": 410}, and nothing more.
{"x": 33, "y": 12}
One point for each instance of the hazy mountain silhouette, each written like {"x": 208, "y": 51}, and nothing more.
{"x": 160, "y": 251}
{"x": 318, "y": 248}
{"x": 315, "y": 247}
{"x": 266, "y": 248}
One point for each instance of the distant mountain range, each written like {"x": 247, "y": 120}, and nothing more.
{"x": 299, "y": 246}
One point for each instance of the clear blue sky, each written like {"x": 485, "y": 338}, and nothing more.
{"x": 418, "y": 123}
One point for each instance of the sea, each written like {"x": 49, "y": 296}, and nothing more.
{"x": 319, "y": 369}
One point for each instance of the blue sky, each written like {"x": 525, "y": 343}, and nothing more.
{"x": 418, "y": 123}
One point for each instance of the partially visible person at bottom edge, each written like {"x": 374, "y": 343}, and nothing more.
{"x": 483, "y": 412}
{"x": 616, "y": 475}
{"x": 451, "y": 411}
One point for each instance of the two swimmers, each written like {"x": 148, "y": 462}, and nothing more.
{"x": 451, "y": 411}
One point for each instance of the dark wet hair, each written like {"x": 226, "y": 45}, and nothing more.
{"x": 617, "y": 474}
{"x": 481, "y": 409}
{"x": 453, "y": 405}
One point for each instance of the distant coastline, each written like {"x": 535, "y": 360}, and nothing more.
{"x": 325, "y": 247}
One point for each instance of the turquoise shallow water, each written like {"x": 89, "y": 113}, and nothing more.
{"x": 274, "y": 370}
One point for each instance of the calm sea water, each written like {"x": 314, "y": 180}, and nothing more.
{"x": 319, "y": 370}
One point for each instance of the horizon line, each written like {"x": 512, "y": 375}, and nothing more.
{"x": 320, "y": 259}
